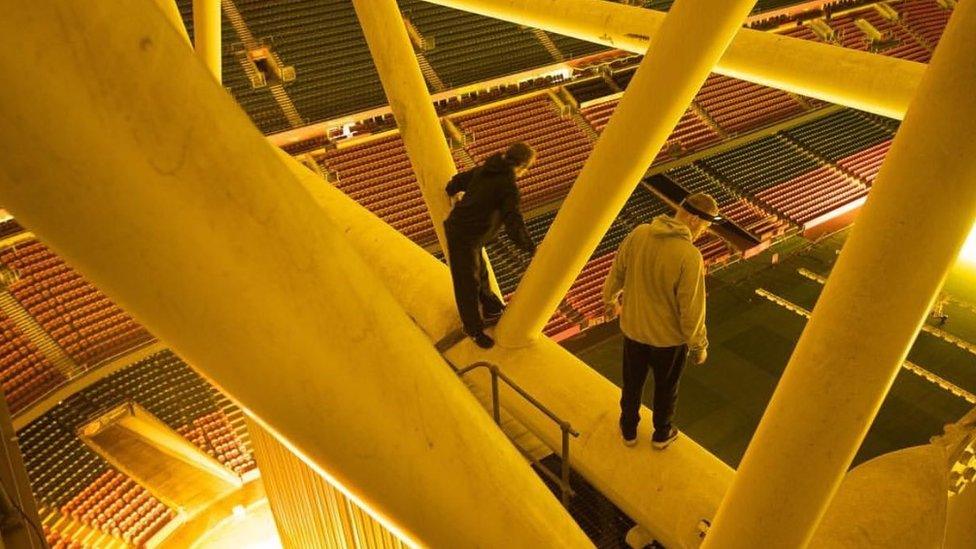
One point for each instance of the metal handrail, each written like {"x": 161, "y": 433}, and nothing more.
{"x": 565, "y": 490}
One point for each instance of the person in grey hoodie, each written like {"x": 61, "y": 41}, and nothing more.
{"x": 491, "y": 199}
{"x": 657, "y": 284}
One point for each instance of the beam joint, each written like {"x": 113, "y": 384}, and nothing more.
{"x": 418, "y": 123}
{"x": 679, "y": 60}
{"x": 869, "y": 313}
{"x": 871, "y": 82}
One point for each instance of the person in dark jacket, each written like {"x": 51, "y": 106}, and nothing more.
{"x": 491, "y": 199}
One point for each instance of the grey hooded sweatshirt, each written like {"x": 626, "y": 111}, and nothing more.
{"x": 662, "y": 276}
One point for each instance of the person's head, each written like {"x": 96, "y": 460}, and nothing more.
{"x": 698, "y": 211}
{"x": 521, "y": 156}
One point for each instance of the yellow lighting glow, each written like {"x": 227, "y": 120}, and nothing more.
{"x": 968, "y": 253}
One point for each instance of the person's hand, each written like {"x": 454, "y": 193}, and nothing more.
{"x": 611, "y": 311}
{"x": 699, "y": 356}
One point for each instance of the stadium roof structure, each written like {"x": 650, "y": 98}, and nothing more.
{"x": 239, "y": 258}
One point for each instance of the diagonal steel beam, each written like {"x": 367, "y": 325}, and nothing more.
{"x": 418, "y": 123}
{"x": 876, "y": 299}
{"x": 681, "y": 56}
{"x": 161, "y": 191}
{"x": 406, "y": 91}
{"x": 206, "y": 34}
{"x": 172, "y": 13}
{"x": 870, "y": 82}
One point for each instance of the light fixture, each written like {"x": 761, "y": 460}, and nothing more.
{"x": 968, "y": 254}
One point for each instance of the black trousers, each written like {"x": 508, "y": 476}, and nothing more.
{"x": 667, "y": 364}
{"x": 471, "y": 288}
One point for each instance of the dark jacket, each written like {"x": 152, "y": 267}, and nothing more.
{"x": 491, "y": 199}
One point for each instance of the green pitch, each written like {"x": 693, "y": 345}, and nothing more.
{"x": 751, "y": 339}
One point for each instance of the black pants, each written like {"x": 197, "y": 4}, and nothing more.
{"x": 667, "y": 364}
{"x": 471, "y": 288}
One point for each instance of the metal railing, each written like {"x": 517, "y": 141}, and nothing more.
{"x": 563, "y": 480}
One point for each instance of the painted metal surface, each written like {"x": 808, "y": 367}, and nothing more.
{"x": 866, "y": 81}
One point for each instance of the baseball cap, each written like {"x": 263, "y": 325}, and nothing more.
{"x": 702, "y": 206}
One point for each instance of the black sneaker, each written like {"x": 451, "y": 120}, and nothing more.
{"x": 630, "y": 439}
{"x": 492, "y": 319}
{"x": 660, "y": 442}
{"x": 628, "y": 442}
{"x": 482, "y": 340}
{"x": 492, "y": 310}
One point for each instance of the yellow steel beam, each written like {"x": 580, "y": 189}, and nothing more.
{"x": 683, "y": 53}
{"x": 206, "y": 34}
{"x": 897, "y": 499}
{"x": 908, "y": 235}
{"x": 172, "y": 13}
{"x": 669, "y": 493}
{"x": 870, "y": 82}
{"x": 410, "y": 101}
{"x": 162, "y": 192}
{"x": 407, "y": 94}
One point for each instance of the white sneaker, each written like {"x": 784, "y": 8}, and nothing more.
{"x": 629, "y": 442}
{"x": 662, "y": 444}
